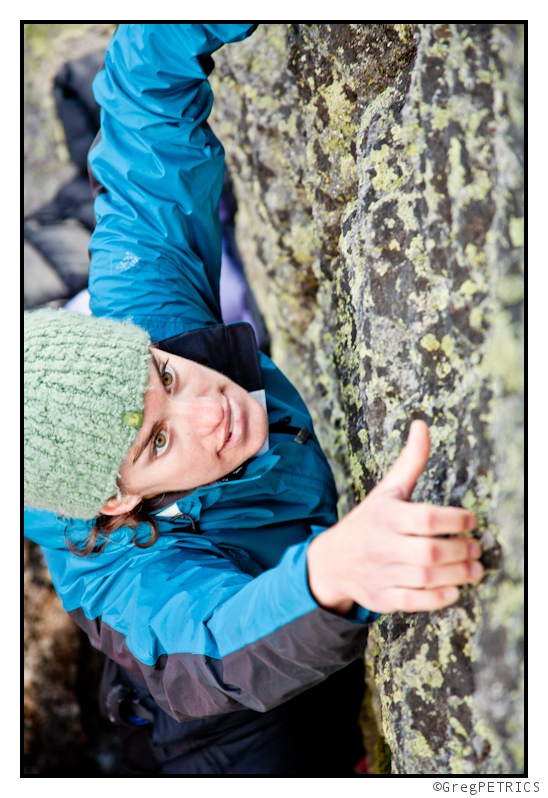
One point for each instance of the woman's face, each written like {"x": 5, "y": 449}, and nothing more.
{"x": 198, "y": 427}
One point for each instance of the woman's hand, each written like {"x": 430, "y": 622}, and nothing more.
{"x": 386, "y": 554}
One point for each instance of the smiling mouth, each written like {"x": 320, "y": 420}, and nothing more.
{"x": 231, "y": 424}
{"x": 235, "y": 429}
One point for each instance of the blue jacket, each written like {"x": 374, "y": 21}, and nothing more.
{"x": 221, "y": 620}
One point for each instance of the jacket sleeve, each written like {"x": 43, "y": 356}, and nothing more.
{"x": 205, "y": 638}
{"x": 156, "y": 249}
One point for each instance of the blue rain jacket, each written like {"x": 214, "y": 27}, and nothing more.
{"x": 222, "y": 620}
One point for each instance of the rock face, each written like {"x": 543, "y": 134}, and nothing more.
{"x": 47, "y": 47}
{"x": 51, "y": 649}
{"x": 63, "y": 733}
{"x": 378, "y": 170}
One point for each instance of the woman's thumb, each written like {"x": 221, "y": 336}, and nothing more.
{"x": 402, "y": 477}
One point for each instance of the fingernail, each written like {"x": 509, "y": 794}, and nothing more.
{"x": 476, "y": 570}
{"x": 451, "y": 593}
{"x": 472, "y": 522}
{"x": 474, "y": 550}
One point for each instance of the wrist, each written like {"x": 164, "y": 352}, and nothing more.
{"x": 322, "y": 575}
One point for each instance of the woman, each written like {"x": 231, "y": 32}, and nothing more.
{"x": 214, "y": 573}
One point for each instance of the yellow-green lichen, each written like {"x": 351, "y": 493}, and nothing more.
{"x": 515, "y": 228}
{"x": 458, "y": 727}
{"x": 455, "y": 180}
{"x": 475, "y": 318}
{"x": 430, "y": 342}
{"x": 443, "y": 369}
{"x": 477, "y": 258}
{"x": 419, "y": 747}
{"x": 386, "y": 178}
{"x": 403, "y": 31}
{"x": 510, "y": 290}
{"x": 468, "y": 288}
{"x": 503, "y": 355}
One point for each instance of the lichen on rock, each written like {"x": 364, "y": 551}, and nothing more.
{"x": 378, "y": 169}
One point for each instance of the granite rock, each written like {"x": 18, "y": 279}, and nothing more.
{"x": 379, "y": 175}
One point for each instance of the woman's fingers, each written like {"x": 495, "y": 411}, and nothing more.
{"x": 421, "y": 577}
{"x": 428, "y": 519}
{"x": 412, "y": 588}
{"x": 428, "y": 551}
{"x": 406, "y": 600}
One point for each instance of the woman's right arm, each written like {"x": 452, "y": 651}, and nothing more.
{"x": 206, "y": 637}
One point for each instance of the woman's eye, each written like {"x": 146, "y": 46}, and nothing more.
{"x": 160, "y": 441}
{"x": 167, "y": 376}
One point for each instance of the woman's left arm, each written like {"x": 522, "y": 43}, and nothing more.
{"x": 156, "y": 249}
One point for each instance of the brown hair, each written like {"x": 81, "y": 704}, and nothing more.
{"x": 106, "y": 524}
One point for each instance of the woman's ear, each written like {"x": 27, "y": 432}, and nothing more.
{"x": 126, "y": 504}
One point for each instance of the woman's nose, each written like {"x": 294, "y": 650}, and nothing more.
{"x": 200, "y": 416}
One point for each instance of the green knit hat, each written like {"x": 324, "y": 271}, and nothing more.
{"x": 85, "y": 380}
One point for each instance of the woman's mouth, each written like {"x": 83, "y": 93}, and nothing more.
{"x": 230, "y": 426}
{"x": 235, "y": 425}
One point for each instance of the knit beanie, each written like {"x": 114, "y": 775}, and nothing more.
{"x": 85, "y": 380}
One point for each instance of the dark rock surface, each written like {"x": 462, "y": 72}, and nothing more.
{"x": 379, "y": 175}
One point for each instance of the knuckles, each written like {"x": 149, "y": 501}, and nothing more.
{"x": 431, "y": 553}
{"x": 430, "y": 521}
{"x": 425, "y": 576}
{"x": 408, "y": 602}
